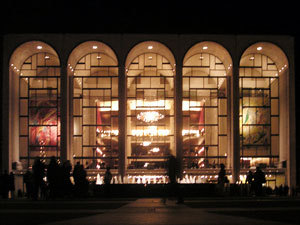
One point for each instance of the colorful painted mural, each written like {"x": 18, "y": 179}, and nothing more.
{"x": 44, "y": 123}
{"x": 255, "y": 127}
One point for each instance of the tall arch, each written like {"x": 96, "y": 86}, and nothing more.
{"x": 206, "y": 121}
{"x": 150, "y": 74}
{"x": 264, "y": 108}
{"x": 34, "y": 103}
{"x": 93, "y": 69}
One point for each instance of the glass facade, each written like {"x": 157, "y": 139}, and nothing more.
{"x": 204, "y": 107}
{"x": 95, "y": 111}
{"x": 259, "y": 111}
{"x": 39, "y": 108}
{"x": 130, "y": 110}
{"x": 150, "y": 112}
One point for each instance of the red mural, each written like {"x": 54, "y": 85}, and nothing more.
{"x": 44, "y": 123}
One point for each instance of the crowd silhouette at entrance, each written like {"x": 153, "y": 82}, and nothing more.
{"x": 54, "y": 181}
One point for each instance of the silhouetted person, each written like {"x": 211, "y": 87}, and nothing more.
{"x": 222, "y": 178}
{"x": 249, "y": 181}
{"x": 107, "y": 181}
{"x": 173, "y": 173}
{"x": 5, "y": 184}
{"x": 28, "y": 180}
{"x": 172, "y": 169}
{"x": 76, "y": 172}
{"x": 81, "y": 183}
{"x": 52, "y": 173}
{"x": 11, "y": 184}
{"x": 259, "y": 179}
{"x": 66, "y": 181}
{"x": 38, "y": 171}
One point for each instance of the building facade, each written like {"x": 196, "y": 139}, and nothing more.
{"x": 129, "y": 101}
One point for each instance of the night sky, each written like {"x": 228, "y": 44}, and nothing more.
{"x": 157, "y": 17}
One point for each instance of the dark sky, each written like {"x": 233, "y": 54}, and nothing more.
{"x": 116, "y": 16}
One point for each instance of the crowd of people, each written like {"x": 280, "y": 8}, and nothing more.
{"x": 54, "y": 181}
{"x": 48, "y": 181}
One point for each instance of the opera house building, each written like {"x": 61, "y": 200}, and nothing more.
{"x": 129, "y": 101}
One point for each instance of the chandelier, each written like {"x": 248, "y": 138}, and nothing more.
{"x": 150, "y": 116}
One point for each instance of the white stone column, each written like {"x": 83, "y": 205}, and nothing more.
{"x": 14, "y": 118}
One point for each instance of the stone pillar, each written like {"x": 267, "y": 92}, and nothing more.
{"x": 14, "y": 119}
{"x": 64, "y": 112}
{"x": 291, "y": 150}
{"x": 178, "y": 115}
{"x": 235, "y": 128}
{"x": 122, "y": 121}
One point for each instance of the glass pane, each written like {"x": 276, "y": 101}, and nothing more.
{"x": 89, "y": 135}
{"x": 89, "y": 115}
{"x": 77, "y": 147}
{"x": 77, "y": 122}
{"x": 23, "y": 107}
{"x": 222, "y": 125}
{"x": 223, "y": 145}
{"x": 23, "y": 145}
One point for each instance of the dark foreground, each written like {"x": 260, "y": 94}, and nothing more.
{"x": 226, "y": 210}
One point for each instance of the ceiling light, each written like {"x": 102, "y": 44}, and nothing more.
{"x": 98, "y": 57}
{"x": 150, "y": 57}
{"x": 150, "y": 116}
{"x": 47, "y": 57}
{"x": 39, "y": 47}
{"x": 205, "y": 47}
{"x": 252, "y": 58}
{"x": 259, "y": 48}
{"x": 95, "y": 47}
{"x": 150, "y": 47}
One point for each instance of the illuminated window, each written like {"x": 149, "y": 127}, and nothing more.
{"x": 204, "y": 109}
{"x": 259, "y": 111}
{"x": 95, "y": 111}
{"x": 150, "y": 111}
{"x": 39, "y": 108}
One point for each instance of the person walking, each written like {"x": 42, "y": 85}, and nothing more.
{"x": 11, "y": 185}
{"x": 107, "y": 181}
{"x": 222, "y": 178}
{"x": 259, "y": 179}
{"x": 38, "y": 171}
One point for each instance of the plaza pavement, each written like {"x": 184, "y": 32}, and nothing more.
{"x": 152, "y": 211}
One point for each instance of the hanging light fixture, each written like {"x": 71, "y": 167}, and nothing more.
{"x": 150, "y": 117}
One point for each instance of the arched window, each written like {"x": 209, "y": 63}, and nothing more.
{"x": 95, "y": 106}
{"x": 204, "y": 106}
{"x": 150, "y": 106}
{"x": 259, "y": 105}
{"x": 39, "y": 104}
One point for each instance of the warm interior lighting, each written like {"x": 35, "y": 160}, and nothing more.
{"x": 155, "y": 149}
{"x": 39, "y": 47}
{"x": 150, "y": 47}
{"x": 150, "y": 117}
{"x": 205, "y": 47}
{"x": 146, "y": 143}
{"x": 151, "y": 131}
{"x": 259, "y": 48}
{"x": 95, "y": 47}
